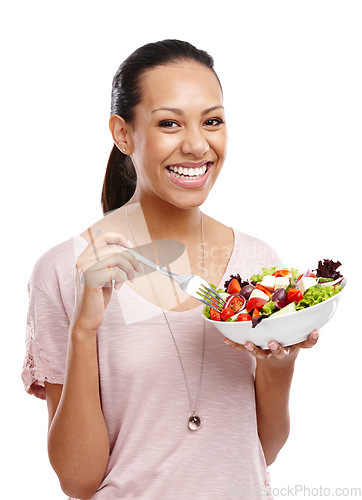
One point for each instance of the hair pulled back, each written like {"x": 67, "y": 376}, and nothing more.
{"x": 120, "y": 178}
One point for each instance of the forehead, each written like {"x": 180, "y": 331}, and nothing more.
{"x": 179, "y": 85}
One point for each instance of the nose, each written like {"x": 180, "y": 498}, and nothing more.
{"x": 194, "y": 143}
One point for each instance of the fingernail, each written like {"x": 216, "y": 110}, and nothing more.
{"x": 273, "y": 346}
{"x": 249, "y": 347}
{"x": 227, "y": 342}
{"x": 315, "y": 334}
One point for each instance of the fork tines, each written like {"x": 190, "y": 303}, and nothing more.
{"x": 212, "y": 297}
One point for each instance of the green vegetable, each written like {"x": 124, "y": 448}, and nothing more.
{"x": 207, "y": 312}
{"x": 295, "y": 273}
{"x": 285, "y": 310}
{"x": 267, "y": 271}
{"x": 217, "y": 289}
{"x": 317, "y": 294}
{"x": 268, "y": 308}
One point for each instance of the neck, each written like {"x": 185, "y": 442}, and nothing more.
{"x": 166, "y": 221}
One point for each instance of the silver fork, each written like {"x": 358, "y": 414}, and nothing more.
{"x": 192, "y": 284}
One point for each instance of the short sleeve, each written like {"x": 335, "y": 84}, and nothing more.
{"x": 51, "y": 291}
{"x": 47, "y": 327}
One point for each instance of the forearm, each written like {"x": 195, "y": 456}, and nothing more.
{"x": 272, "y": 388}
{"x": 78, "y": 442}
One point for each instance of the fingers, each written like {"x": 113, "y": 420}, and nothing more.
{"x": 311, "y": 340}
{"x": 102, "y": 262}
{"x": 100, "y": 277}
{"x": 103, "y": 238}
{"x": 275, "y": 351}
{"x": 259, "y": 353}
{"x": 249, "y": 347}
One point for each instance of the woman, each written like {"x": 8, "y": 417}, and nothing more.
{"x": 144, "y": 404}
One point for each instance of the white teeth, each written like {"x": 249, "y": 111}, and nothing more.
{"x": 183, "y": 172}
{"x": 190, "y": 172}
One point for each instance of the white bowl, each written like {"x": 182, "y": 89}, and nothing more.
{"x": 287, "y": 330}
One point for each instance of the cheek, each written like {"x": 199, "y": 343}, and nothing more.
{"x": 219, "y": 145}
{"x": 160, "y": 146}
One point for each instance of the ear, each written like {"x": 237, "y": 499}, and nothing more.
{"x": 122, "y": 137}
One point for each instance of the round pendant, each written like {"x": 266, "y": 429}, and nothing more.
{"x": 194, "y": 422}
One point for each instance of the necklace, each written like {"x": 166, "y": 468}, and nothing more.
{"x": 194, "y": 421}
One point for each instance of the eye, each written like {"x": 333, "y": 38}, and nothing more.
{"x": 168, "y": 124}
{"x": 212, "y": 122}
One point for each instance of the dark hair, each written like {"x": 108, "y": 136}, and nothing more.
{"x": 120, "y": 178}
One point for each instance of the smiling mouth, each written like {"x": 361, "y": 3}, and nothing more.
{"x": 189, "y": 172}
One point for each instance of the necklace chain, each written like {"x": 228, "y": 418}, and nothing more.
{"x": 194, "y": 421}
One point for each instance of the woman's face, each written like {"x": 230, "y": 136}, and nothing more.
{"x": 178, "y": 136}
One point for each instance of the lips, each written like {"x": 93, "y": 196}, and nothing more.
{"x": 189, "y": 174}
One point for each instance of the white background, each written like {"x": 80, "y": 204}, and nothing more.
{"x": 291, "y": 75}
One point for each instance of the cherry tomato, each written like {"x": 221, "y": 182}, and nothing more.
{"x": 243, "y": 317}
{"x": 226, "y": 313}
{"x": 294, "y": 295}
{"x": 234, "y": 286}
{"x": 215, "y": 315}
{"x": 236, "y": 303}
{"x": 255, "y": 303}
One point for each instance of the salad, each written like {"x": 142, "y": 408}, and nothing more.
{"x": 276, "y": 291}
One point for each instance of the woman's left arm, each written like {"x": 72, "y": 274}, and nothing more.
{"x": 273, "y": 378}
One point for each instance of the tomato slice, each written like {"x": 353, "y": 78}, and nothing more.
{"x": 311, "y": 275}
{"x": 281, "y": 273}
{"x": 226, "y": 313}
{"x": 264, "y": 289}
{"x": 215, "y": 315}
{"x": 234, "y": 286}
{"x": 255, "y": 303}
{"x": 256, "y": 313}
{"x": 294, "y": 295}
{"x": 243, "y": 317}
{"x": 236, "y": 303}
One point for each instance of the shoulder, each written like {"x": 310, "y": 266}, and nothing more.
{"x": 54, "y": 266}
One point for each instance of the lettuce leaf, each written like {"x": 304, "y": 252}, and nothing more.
{"x": 317, "y": 294}
{"x": 268, "y": 308}
{"x": 217, "y": 289}
{"x": 267, "y": 271}
{"x": 328, "y": 269}
{"x": 207, "y": 312}
{"x": 295, "y": 273}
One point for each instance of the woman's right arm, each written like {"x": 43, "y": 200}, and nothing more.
{"x": 78, "y": 441}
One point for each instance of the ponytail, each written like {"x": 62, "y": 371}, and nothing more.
{"x": 119, "y": 182}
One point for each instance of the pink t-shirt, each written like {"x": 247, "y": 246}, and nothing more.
{"x": 153, "y": 455}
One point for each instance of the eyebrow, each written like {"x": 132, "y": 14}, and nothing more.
{"x": 179, "y": 111}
